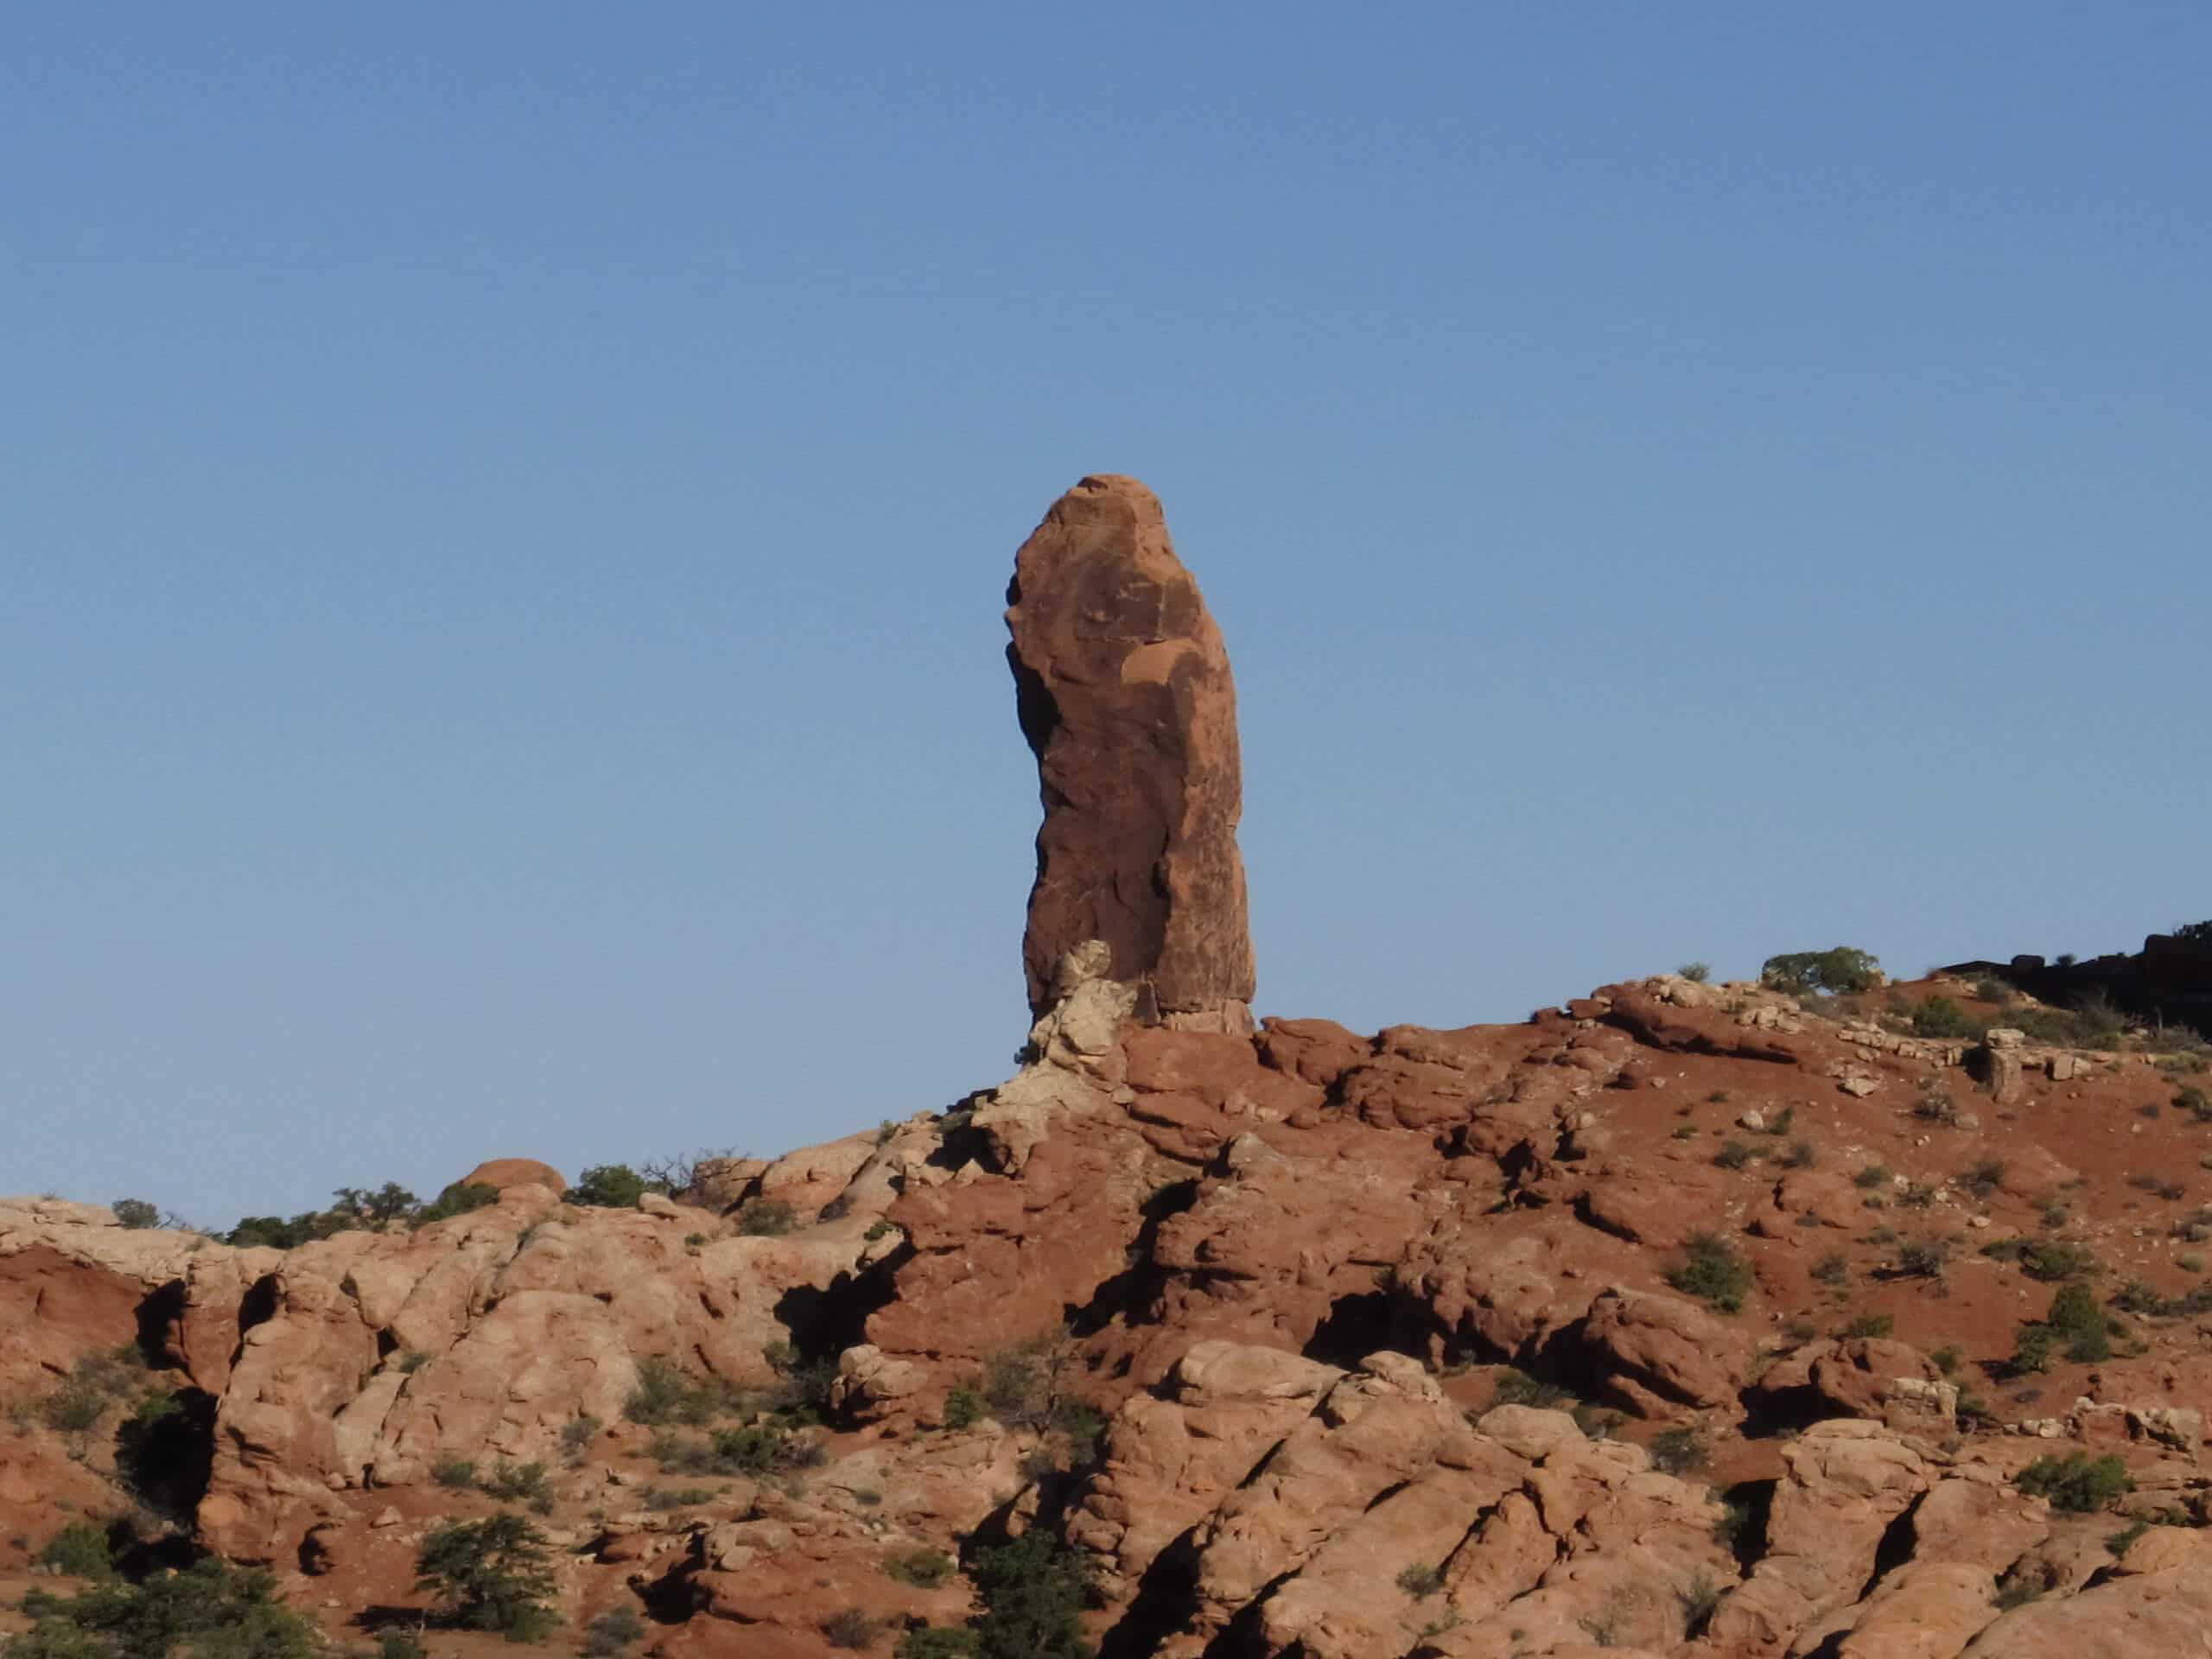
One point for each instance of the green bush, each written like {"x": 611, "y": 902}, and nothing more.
{"x": 616, "y": 1631}
{"x": 926, "y": 1569}
{"x": 1696, "y": 972}
{"x": 135, "y": 1214}
{"x": 937, "y": 1642}
{"x": 1734, "y": 1154}
{"x": 1940, "y": 1017}
{"x": 454, "y": 1474}
{"x": 609, "y": 1186}
{"x": 80, "y": 1550}
{"x": 664, "y": 1395}
{"x": 521, "y": 1483}
{"x": 1515, "y": 1388}
{"x": 1873, "y": 1176}
{"x": 1678, "y": 1451}
{"x": 1421, "y": 1580}
{"x": 2079, "y": 1485}
{"x": 2076, "y": 1317}
{"x": 1924, "y": 1258}
{"x": 848, "y": 1628}
{"x": 458, "y": 1199}
{"x": 2032, "y": 1349}
{"x": 209, "y": 1610}
{"x": 95, "y": 1383}
{"x": 2192, "y": 1100}
{"x": 963, "y": 1407}
{"x": 1712, "y": 1272}
{"x": 1867, "y": 1327}
{"x": 766, "y": 1217}
{"x": 1839, "y": 971}
{"x": 1034, "y": 1591}
{"x": 490, "y": 1575}
{"x": 2052, "y": 1260}
{"x": 1984, "y": 1178}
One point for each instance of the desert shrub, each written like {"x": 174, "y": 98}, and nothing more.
{"x": 848, "y": 1628}
{"x": 2078, "y": 1319}
{"x": 1839, "y": 971}
{"x": 1696, "y": 972}
{"x": 1781, "y": 1122}
{"x": 2192, "y": 1100}
{"x": 455, "y": 1474}
{"x": 1421, "y": 1580}
{"x": 1868, "y": 1325}
{"x": 1734, "y": 1154}
{"x": 2079, "y": 1483}
{"x": 490, "y": 1575}
{"x": 963, "y": 1407}
{"x": 2118, "y": 1543}
{"x": 665, "y": 1394}
{"x": 210, "y": 1610}
{"x": 1991, "y": 989}
{"x": 95, "y": 1383}
{"x": 1924, "y": 1258}
{"x": 135, "y": 1214}
{"x": 2018, "y": 1592}
{"x": 1700, "y": 1599}
{"x": 521, "y": 1483}
{"x": 2051, "y": 1259}
{"x": 578, "y": 1432}
{"x": 1975, "y": 1412}
{"x": 937, "y": 1642}
{"x": 2032, "y": 1345}
{"x": 1917, "y": 1196}
{"x": 377, "y": 1209}
{"x": 1984, "y": 1178}
{"x": 925, "y": 1569}
{"x": 1834, "y": 1268}
{"x": 1873, "y": 1176}
{"x": 766, "y": 1217}
{"x": 1515, "y": 1387}
{"x": 803, "y": 1386}
{"x": 609, "y": 1186}
{"x": 1941, "y": 1017}
{"x": 80, "y": 1550}
{"x": 1947, "y": 1358}
{"x": 1033, "y": 1590}
{"x": 457, "y": 1200}
{"x": 616, "y": 1631}
{"x": 2158, "y": 1186}
{"x": 1936, "y": 1106}
{"x": 397, "y": 1641}
{"x": 1712, "y": 1272}
{"x": 1802, "y": 1154}
{"x": 1678, "y": 1451}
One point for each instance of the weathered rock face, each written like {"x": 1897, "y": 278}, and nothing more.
{"x": 1123, "y": 689}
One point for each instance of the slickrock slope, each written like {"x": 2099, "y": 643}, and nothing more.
{"x": 1124, "y": 693}
{"x": 1291, "y": 1271}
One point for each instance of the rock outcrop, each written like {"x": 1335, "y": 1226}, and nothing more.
{"x": 1123, "y": 689}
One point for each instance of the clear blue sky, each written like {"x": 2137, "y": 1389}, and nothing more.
{"x": 505, "y": 511}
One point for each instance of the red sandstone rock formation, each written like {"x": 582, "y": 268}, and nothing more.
{"x": 1124, "y": 693}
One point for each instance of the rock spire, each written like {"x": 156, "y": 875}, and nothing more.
{"x": 1123, "y": 685}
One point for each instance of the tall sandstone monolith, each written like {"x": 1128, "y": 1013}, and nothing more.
{"x": 1123, "y": 685}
